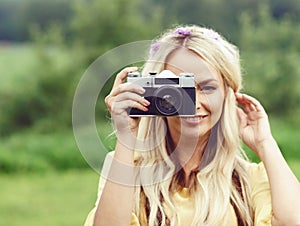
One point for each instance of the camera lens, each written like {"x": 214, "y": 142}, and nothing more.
{"x": 168, "y": 100}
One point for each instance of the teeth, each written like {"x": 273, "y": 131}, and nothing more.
{"x": 195, "y": 119}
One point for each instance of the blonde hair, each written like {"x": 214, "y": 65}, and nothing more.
{"x": 222, "y": 173}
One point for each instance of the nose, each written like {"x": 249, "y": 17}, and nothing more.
{"x": 199, "y": 99}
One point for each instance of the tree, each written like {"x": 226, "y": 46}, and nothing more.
{"x": 99, "y": 25}
{"x": 16, "y": 17}
{"x": 270, "y": 50}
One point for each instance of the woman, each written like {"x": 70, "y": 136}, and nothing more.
{"x": 192, "y": 170}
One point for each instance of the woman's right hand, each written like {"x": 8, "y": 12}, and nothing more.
{"x": 123, "y": 96}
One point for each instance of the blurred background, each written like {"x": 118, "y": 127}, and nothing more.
{"x": 45, "y": 47}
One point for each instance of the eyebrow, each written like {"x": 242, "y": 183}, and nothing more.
{"x": 206, "y": 81}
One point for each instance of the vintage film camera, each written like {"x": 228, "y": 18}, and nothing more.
{"x": 169, "y": 95}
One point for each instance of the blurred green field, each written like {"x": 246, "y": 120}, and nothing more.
{"x": 56, "y": 198}
{"x": 16, "y": 64}
{"x": 44, "y": 178}
{"x": 45, "y": 146}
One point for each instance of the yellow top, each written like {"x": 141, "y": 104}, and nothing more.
{"x": 261, "y": 198}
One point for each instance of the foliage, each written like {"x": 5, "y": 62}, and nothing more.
{"x": 35, "y": 152}
{"x": 119, "y": 22}
{"x": 221, "y": 15}
{"x": 17, "y": 16}
{"x": 38, "y": 81}
{"x": 31, "y": 151}
{"x": 59, "y": 63}
{"x": 270, "y": 51}
{"x": 38, "y": 153}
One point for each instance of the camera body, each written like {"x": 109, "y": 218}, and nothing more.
{"x": 168, "y": 94}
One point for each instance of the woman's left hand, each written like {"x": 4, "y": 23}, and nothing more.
{"x": 254, "y": 122}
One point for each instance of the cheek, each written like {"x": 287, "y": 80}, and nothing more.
{"x": 215, "y": 102}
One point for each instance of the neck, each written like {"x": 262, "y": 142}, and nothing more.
{"x": 189, "y": 155}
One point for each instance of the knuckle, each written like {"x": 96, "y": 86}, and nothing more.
{"x": 123, "y": 71}
{"x": 133, "y": 104}
{"x": 120, "y": 88}
{"x": 107, "y": 100}
{"x": 137, "y": 105}
{"x": 120, "y": 75}
{"x": 114, "y": 108}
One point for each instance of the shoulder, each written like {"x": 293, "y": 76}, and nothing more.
{"x": 260, "y": 193}
{"x": 256, "y": 170}
{"x": 257, "y": 175}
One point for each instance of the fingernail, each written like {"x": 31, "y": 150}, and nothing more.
{"x": 142, "y": 90}
{"x": 132, "y": 69}
{"x": 146, "y": 102}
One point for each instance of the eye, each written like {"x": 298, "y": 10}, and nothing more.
{"x": 208, "y": 88}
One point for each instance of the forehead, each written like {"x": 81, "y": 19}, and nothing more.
{"x": 184, "y": 60}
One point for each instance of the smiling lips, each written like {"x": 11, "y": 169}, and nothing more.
{"x": 194, "y": 119}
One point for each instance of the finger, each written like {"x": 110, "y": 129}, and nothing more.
{"x": 125, "y": 91}
{"x": 134, "y": 97}
{"x": 127, "y": 87}
{"x": 242, "y": 117}
{"x": 109, "y": 101}
{"x": 245, "y": 104}
{"x": 255, "y": 103}
{"x": 121, "y": 106}
{"x": 248, "y": 102}
{"x": 129, "y": 98}
{"x": 245, "y": 99}
{"x": 122, "y": 75}
{"x": 248, "y": 108}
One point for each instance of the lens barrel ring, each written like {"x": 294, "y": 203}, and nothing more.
{"x": 168, "y": 100}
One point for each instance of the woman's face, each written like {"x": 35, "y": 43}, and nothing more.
{"x": 210, "y": 96}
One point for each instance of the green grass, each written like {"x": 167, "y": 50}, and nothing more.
{"x": 16, "y": 65}
{"x": 50, "y": 199}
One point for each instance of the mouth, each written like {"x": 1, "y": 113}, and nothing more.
{"x": 194, "y": 119}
